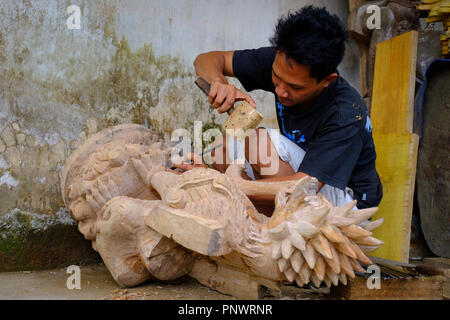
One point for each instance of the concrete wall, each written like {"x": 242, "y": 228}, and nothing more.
{"x": 131, "y": 61}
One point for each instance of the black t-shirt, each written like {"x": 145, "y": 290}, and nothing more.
{"x": 335, "y": 131}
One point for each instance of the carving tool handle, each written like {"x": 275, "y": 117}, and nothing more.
{"x": 205, "y": 86}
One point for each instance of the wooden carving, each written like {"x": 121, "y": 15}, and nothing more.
{"x": 148, "y": 223}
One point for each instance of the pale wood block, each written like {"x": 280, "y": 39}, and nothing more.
{"x": 204, "y": 236}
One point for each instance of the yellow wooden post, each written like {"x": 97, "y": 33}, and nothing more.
{"x": 396, "y": 145}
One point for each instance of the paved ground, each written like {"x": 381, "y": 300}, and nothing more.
{"x": 97, "y": 284}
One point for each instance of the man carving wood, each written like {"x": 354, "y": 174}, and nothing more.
{"x": 324, "y": 124}
{"x": 148, "y": 223}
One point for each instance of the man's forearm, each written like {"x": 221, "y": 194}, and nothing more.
{"x": 211, "y": 66}
{"x": 296, "y": 176}
{"x": 269, "y": 199}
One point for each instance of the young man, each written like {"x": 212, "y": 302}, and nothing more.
{"x": 325, "y": 127}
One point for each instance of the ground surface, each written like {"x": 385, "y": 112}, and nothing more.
{"x": 97, "y": 284}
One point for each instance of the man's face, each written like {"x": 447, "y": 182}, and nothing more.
{"x": 293, "y": 84}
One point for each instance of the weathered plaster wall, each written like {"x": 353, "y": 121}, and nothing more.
{"x": 131, "y": 61}
{"x": 190, "y": 27}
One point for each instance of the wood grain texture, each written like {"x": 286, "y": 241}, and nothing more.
{"x": 396, "y": 165}
{"x": 432, "y": 266}
{"x": 424, "y": 288}
{"x": 229, "y": 280}
{"x": 195, "y": 233}
{"x": 392, "y": 120}
{"x": 394, "y": 83}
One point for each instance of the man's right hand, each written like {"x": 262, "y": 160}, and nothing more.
{"x": 214, "y": 66}
{"x": 222, "y": 96}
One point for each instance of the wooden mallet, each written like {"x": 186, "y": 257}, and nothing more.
{"x": 242, "y": 117}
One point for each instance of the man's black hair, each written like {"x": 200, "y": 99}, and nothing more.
{"x": 312, "y": 36}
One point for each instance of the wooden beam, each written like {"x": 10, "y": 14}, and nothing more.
{"x": 229, "y": 280}
{"x": 433, "y": 267}
{"x": 424, "y": 288}
{"x": 437, "y": 266}
{"x": 439, "y": 259}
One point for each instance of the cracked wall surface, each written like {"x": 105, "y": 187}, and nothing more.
{"x": 131, "y": 61}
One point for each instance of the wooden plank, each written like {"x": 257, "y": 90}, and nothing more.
{"x": 394, "y": 83}
{"x": 436, "y": 266}
{"x": 424, "y": 288}
{"x": 392, "y": 115}
{"x": 439, "y": 259}
{"x": 396, "y": 165}
{"x": 446, "y": 289}
{"x": 433, "y": 267}
{"x": 228, "y": 280}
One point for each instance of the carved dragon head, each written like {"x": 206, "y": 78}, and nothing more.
{"x": 313, "y": 240}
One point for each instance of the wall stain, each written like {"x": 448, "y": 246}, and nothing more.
{"x": 54, "y": 81}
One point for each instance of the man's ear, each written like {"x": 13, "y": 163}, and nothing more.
{"x": 329, "y": 79}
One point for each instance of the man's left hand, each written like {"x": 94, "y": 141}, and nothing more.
{"x": 192, "y": 161}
